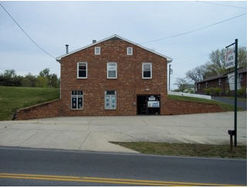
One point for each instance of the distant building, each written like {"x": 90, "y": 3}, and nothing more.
{"x": 223, "y": 82}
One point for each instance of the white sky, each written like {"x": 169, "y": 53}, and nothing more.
{"x": 53, "y": 24}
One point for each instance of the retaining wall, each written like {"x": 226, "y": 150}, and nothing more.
{"x": 173, "y": 107}
{"x": 43, "y": 110}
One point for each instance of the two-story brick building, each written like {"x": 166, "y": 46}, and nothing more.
{"x": 113, "y": 76}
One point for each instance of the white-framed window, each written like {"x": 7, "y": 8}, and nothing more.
{"x": 82, "y": 70}
{"x": 206, "y": 84}
{"x": 76, "y": 100}
{"x": 97, "y": 50}
{"x": 146, "y": 70}
{"x": 219, "y": 82}
{"x": 129, "y": 50}
{"x": 112, "y": 70}
{"x": 110, "y": 100}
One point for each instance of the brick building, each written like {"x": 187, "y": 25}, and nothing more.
{"x": 222, "y": 82}
{"x": 113, "y": 76}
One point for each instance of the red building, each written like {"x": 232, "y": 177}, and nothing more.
{"x": 113, "y": 76}
{"x": 222, "y": 82}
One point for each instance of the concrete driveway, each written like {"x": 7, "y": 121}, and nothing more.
{"x": 94, "y": 133}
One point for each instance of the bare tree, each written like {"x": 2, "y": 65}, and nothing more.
{"x": 216, "y": 65}
{"x": 182, "y": 84}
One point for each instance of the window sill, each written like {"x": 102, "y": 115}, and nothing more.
{"x": 76, "y": 109}
{"x": 147, "y": 78}
{"x": 112, "y": 78}
{"x": 82, "y": 78}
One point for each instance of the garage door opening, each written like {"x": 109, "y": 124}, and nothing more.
{"x": 148, "y": 104}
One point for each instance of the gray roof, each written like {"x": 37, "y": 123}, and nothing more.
{"x": 240, "y": 70}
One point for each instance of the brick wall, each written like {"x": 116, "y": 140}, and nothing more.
{"x": 176, "y": 107}
{"x": 44, "y": 110}
{"x": 173, "y": 107}
{"x": 128, "y": 85}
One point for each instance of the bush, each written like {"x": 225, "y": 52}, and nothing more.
{"x": 228, "y": 93}
{"x": 242, "y": 92}
{"x": 214, "y": 91}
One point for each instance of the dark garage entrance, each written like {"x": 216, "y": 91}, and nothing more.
{"x": 148, "y": 104}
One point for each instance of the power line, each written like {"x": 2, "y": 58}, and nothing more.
{"x": 197, "y": 29}
{"x": 219, "y": 4}
{"x": 27, "y": 35}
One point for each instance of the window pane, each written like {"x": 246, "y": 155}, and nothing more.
{"x": 82, "y": 70}
{"x": 112, "y": 74}
{"x": 82, "y": 67}
{"x": 113, "y": 101}
{"x": 110, "y": 92}
{"x": 147, "y": 74}
{"x": 110, "y": 100}
{"x": 107, "y": 102}
{"x": 147, "y": 67}
{"x": 73, "y": 102}
{"x": 97, "y": 50}
{"x": 82, "y": 73}
{"x": 111, "y": 66}
{"x": 79, "y": 102}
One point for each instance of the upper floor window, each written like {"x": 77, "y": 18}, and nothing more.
{"x": 76, "y": 100}
{"x": 110, "y": 100}
{"x": 129, "y": 51}
{"x": 146, "y": 70}
{"x": 112, "y": 70}
{"x": 97, "y": 50}
{"x": 82, "y": 70}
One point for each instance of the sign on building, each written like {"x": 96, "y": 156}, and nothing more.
{"x": 230, "y": 58}
{"x": 153, "y": 104}
{"x": 230, "y": 77}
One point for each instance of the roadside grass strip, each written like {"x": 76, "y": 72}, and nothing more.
{"x": 184, "y": 149}
{"x": 104, "y": 180}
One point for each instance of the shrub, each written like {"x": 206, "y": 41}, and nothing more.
{"x": 214, "y": 91}
{"x": 207, "y": 91}
{"x": 241, "y": 92}
{"x": 228, "y": 93}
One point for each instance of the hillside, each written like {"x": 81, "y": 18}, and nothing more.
{"x": 13, "y": 98}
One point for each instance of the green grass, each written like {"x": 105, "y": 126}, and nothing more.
{"x": 224, "y": 106}
{"x": 13, "y": 98}
{"x": 199, "y": 150}
{"x": 239, "y": 99}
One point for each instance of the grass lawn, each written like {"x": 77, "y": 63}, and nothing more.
{"x": 239, "y": 98}
{"x": 224, "y": 106}
{"x": 13, "y": 98}
{"x": 199, "y": 150}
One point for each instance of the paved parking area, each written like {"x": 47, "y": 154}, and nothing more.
{"x": 230, "y": 100}
{"x": 94, "y": 133}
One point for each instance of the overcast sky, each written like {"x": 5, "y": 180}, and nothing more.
{"x": 53, "y": 24}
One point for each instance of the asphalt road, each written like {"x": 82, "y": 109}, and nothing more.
{"x": 24, "y": 166}
{"x": 230, "y": 100}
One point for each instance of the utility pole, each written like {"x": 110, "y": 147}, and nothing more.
{"x": 169, "y": 72}
{"x": 235, "y": 91}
